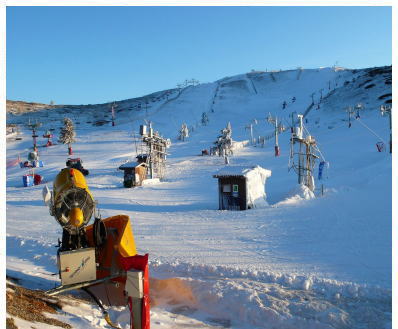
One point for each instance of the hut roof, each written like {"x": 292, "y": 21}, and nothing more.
{"x": 241, "y": 171}
{"x": 131, "y": 164}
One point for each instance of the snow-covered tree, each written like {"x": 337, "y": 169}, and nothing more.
{"x": 224, "y": 141}
{"x": 67, "y": 134}
{"x": 205, "y": 119}
{"x": 184, "y": 132}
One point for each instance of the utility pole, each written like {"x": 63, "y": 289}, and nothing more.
{"x": 386, "y": 109}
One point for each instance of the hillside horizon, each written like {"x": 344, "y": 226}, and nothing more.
{"x": 23, "y": 105}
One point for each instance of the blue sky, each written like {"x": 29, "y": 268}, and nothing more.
{"x": 82, "y": 55}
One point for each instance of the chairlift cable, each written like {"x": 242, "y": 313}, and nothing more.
{"x": 360, "y": 121}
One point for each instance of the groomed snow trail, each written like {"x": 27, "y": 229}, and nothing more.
{"x": 320, "y": 263}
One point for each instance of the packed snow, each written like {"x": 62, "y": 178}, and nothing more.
{"x": 307, "y": 259}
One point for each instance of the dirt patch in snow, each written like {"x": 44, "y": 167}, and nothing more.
{"x": 31, "y": 305}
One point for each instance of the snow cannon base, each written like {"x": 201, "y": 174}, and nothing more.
{"x": 117, "y": 243}
{"x": 138, "y": 299}
{"x": 120, "y": 277}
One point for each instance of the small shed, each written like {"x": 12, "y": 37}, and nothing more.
{"x": 134, "y": 173}
{"x": 242, "y": 187}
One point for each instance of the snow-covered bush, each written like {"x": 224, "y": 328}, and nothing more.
{"x": 223, "y": 143}
{"x": 184, "y": 132}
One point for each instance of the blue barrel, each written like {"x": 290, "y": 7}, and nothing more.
{"x": 27, "y": 180}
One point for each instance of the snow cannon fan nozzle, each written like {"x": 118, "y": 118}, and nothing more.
{"x": 70, "y": 202}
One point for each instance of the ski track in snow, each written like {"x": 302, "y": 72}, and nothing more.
{"x": 319, "y": 263}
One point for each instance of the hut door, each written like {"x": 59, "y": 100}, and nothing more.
{"x": 230, "y": 198}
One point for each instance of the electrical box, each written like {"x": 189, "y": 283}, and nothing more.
{"x": 77, "y": 266}
{"x": 135, "y": 284}
{"x": 299, "y": 132}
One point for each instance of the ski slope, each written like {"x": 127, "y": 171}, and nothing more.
{"x": 298, "y": 263}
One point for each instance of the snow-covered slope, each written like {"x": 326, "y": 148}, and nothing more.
{"x": 298, "y": 263}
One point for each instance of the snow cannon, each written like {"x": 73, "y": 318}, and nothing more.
{"x": 73, "y": 203}
{"x": 100, "y": 259}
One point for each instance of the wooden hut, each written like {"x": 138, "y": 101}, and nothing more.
{"x": 241, "y": 187}
{"x": 134, "y": 173}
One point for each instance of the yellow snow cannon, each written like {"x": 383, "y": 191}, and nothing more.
{"x": 73, "y": 203}
{"x": 100, "y": 259}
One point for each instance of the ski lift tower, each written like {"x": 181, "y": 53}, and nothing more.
{"x": 386, "y": 109}
{"x": 359, "y": 107}
{"x": 34, "y": 127}
{"x": 113, "y": 106}
{"x": 274, "y": 121}
{"x": 156, "y": 150}
{"x": 250, "y": 128}
{"x": 304, "y": 148}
